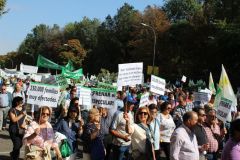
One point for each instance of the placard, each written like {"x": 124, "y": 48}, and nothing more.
{"x": 28, "y": 68}
{"x": 43, "y": 95}
{"x": 85, "y": 98}
{"x": 224, "y": 108}
{"x": 61, "y": 81}
{"x": 157, "y": 85}
{"x": 130, "y": 74}
{"x": 201, "y": 97}
{"x": 144, "y": 100}
{"x": 103, "y": 98}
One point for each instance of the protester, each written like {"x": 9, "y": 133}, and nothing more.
{"x": 155, "y": 126}
{"x": 71, "y": 127}
{"x": 143, "y": 119}
{"x": 106, "y": 120}
{"x": 39, "y": 137}
{"x": 93, "y": 139}
{"x": 200, "y": 133}
{"x": 181, "y": 109}
{"x": 19, "y": 92}
{"x": 232, "y": 147}
{"x": 121, "y": 129}
{"x": 5, "y": 105}
{"x": 16, "y": 115}
{"x": 166, "y": 128}
{"x": 183, "y": 141}
{"x": 214, "y": 135}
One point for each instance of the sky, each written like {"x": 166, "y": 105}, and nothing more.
{"x": 24, "y": 15}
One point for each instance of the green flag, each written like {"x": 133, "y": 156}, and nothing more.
{"x": 74, "y": 75}
{"x": 46, "y": 63}
{"x": 211, "y": 84}
{"x": 69, "y": 66}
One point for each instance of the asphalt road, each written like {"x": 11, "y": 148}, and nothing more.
{"x": 6, "y": 146}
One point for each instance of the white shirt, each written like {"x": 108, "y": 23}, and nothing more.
{"x": 167, "y": 127}
{"x": 184, "y": 144}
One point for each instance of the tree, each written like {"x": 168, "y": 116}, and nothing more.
{"x": 2, "y": 7}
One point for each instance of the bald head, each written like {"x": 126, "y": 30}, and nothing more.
{"x": 190, "y": 119}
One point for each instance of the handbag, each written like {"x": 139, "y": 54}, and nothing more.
{"x": 65, "y": 149}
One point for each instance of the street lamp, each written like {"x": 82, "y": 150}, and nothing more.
{"x": 154, "y": 45}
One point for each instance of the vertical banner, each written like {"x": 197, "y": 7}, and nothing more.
{"x": 144, "y": 100}
{"x": 130, "y": 74}
{"x": 157, "y": 85}
{"x": 85, "y": 98}
{"x": 224, "y": 108}
{"x": 43, "y": 94}
{"x": 103, "y": 98}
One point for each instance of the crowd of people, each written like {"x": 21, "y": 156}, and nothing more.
{"x": 171, "y": 124}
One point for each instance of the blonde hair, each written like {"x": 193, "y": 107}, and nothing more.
{"x": 92, "y": 113}
{"x": 149, "y": 119}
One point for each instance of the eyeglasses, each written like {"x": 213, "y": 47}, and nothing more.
{"x": 145, "y": 113}
{"x": 47, "y": 114}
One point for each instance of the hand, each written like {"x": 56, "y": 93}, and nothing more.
{"x": 223, "y": 131}
{"x": 81, "y": 122}
{"x": 126, "y": 117}
{"x": 98, "y": 126}
{"x": 204, "y": 147}
{"x": 126, "y": 139}
{"x": 37, "y": 131}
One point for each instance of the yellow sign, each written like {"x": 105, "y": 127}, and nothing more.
{"x": 151, "y": 71}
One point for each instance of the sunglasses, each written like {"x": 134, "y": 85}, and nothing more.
{"x": 47, "y": 114}
{"x": 145, "y": 113}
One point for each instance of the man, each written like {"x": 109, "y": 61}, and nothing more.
{"x": 200, "y": 133}
{"x": 5, "y": 104}
{"x": 181, "y": 109}
{"x": 155, "y": 126}
{"x": 183, "y": 140}
{"x": 106, "y": 120}
{"x": 122, "y": 129}
{"x": 214, "y": 135}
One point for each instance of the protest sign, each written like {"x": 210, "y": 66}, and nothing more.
{"x": 201, "y": 97}
{"x": 130, "y": 74}
{"x": 184, "y": 79}
{"x": 73, "y": 75}
{"x": 28, "y": 68}
{"x": 157, "y": 85}
{"x": 224, "y": 108}
{"x": 3, "y": 100}
{"x": 103, "y": 98}
{"x": 61, "y": 81}
{"x": 85, "y": 97}
{"x": 144, "y": 100}
{"x": 43, "y": 94}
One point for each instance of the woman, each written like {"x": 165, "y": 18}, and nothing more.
{"x": 166, "y": 129}
{"x": 71, "y": 127}
{"x": 39, "y": 137}
{"x": 16, "y": 115}
{"x": 231, "y": 150}
{"x": 93, "y": 139}
{"x": 143, "y": 119}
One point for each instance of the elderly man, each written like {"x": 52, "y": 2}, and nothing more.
{"x": 6, "y": 103}
{"x": 184, "y": 144}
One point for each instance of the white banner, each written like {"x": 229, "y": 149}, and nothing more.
{"x": 130, "y": 74}
{"x": 224, "y": 108}
{"x": 103, "y": 98}
{"x": 144, "y": 100}
{"x": 157, "y": 85}
{"x": 61, "y": 81}
{"x": 201, "y": 97}
{"x": 28, "y": 68}
{"x": 43, "y": 95}
{"x": 85, "y": 98}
